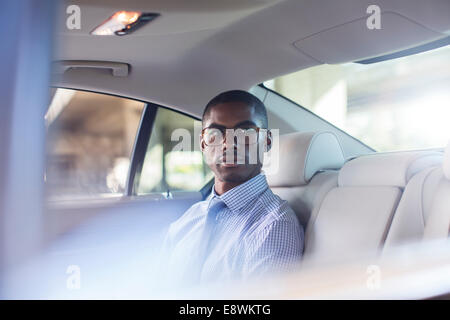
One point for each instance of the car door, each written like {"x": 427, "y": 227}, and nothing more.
{"x": 115, "y": 178}
{"x": 108, "y": 153}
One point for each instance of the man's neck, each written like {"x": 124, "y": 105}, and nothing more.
{"x": 220, "y": 187}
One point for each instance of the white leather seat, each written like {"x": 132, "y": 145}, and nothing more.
{"x": 355, "y": 216}
{"x": 424, "y": 210}
{"x": 306, "y": 170}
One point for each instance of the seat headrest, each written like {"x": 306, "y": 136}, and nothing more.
{"x": 387, "y": 169}
{"x": 446, "y": 163}
{"x": 301, "y": 155}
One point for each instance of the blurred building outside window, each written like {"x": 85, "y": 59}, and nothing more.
{"x": 399, "y": 104}
{"x": 90, "y": 137}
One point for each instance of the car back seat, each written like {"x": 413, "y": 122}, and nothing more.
{"x": 424, "y": 210}
{"x": 306, "y": 170}
{"x": 355, "y": 216}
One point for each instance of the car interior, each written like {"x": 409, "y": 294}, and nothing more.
{"x": 352, "y": 199}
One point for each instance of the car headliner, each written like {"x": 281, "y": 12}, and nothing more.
{"x": 199, "y": 48}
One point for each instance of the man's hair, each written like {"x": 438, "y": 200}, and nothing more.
{"x": 239, "y": 96}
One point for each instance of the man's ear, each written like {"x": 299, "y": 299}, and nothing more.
{"x": 201, "y": 143}
{"x": 268, "y": 144}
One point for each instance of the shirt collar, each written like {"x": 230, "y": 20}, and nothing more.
{"x": 240, "y": 195}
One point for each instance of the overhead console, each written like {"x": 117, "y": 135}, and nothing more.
{"x": 354, "y": 40}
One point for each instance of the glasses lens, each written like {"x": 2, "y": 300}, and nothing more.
{"x": 246, "y": 136}
{"x": 213, "y": 137}
{"x": 251, "y": 136}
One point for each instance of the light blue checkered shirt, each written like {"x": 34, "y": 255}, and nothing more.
{"x": 244, "y": 232}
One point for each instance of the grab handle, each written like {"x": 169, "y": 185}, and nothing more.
{"x": 118, "y": 69}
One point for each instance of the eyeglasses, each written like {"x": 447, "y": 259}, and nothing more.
{"x": 241, "y": 136}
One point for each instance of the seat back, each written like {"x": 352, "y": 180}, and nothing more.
{"x": 424, "y": 210}
{"x": 355, "y": 216}
{"x": 306, "y": 170}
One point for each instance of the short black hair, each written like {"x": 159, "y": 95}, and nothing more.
{"x": 239, "y": 96}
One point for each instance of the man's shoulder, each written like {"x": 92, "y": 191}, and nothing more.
{"x": 274, "y": 216}
{"x": 273, "y": 209}
{"x": 274, "y": 204}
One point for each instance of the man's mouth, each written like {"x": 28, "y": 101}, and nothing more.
{"x": 231, "y": 163}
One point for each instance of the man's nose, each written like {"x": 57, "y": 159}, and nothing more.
{"x": 229, "y": 142}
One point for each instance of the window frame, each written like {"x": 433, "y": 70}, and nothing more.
{"x": 143, "y": 137}
{"x": 141, "y": 141}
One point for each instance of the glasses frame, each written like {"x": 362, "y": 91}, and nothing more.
{"x": 258, "y": 129}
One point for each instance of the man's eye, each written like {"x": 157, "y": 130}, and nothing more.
{"x": 213, "y": 136}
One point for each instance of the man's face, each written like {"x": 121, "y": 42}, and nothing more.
{"x": 230, "y": 160}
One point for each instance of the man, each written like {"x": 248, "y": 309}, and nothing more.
{"x": 242, "y": 229}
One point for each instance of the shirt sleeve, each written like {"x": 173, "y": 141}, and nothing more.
{"x": 276, "y": 248}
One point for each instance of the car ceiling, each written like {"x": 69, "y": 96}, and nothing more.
{"x": 199, "y": 48}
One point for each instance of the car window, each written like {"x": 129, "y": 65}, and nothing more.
{"x": 173, "y": 160}
{"x": 90, "y": 138}
{"x": 397, "y": 104}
